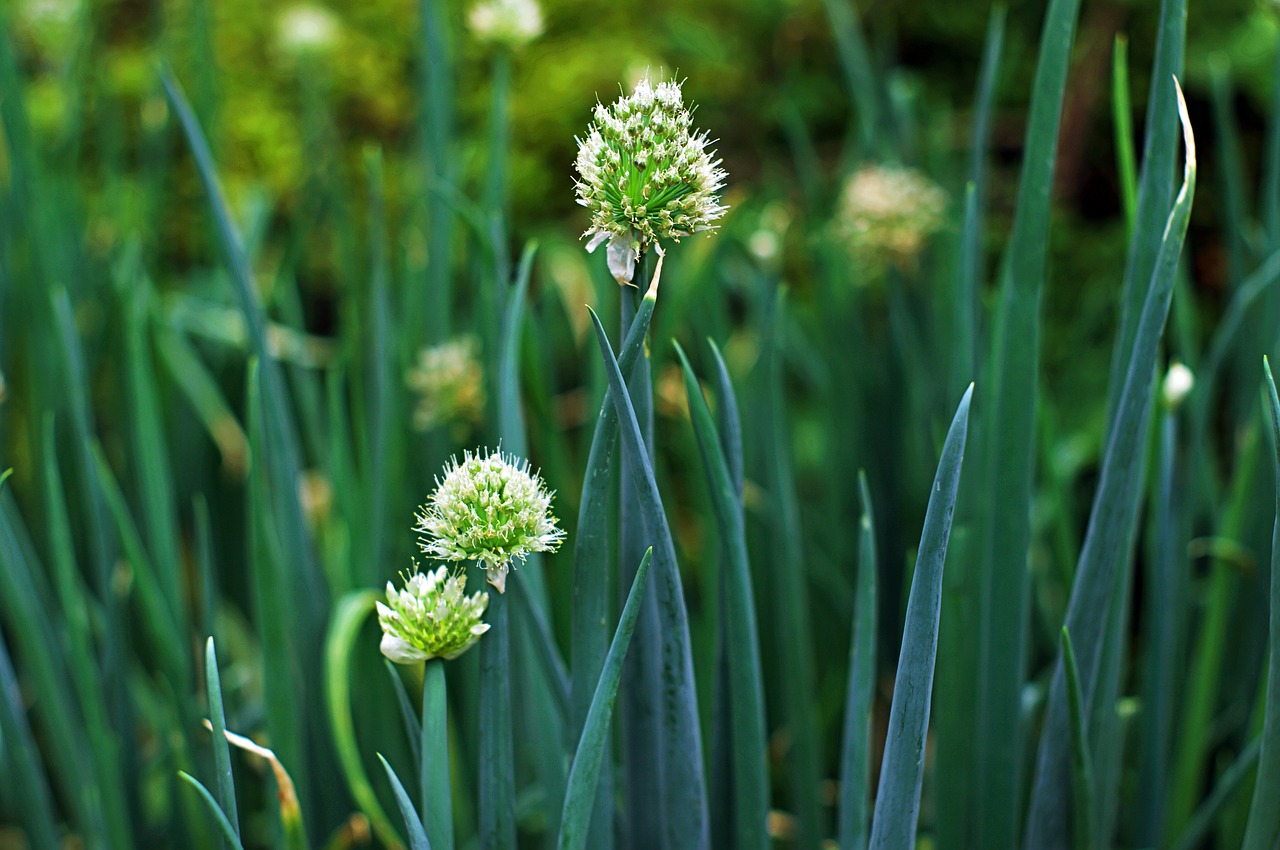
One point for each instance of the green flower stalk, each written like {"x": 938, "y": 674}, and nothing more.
{"x": 489, "y": 508}
{"x": 431, "y": 618}
{"x": 645, "y": 176}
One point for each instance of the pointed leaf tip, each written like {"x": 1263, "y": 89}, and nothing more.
{"x": 1188, "y": 136}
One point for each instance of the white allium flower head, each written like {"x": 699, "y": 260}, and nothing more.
{"x": 888, "y": 212}
{"x": 507, "y": 23}
{"x": 645, "y": 175}
{"x": 431, "y": 618}
{"x": 488, "y": 508}
{"x": 449, "y": 382}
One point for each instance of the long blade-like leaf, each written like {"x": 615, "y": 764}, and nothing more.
{"x": 902, "y": 768}
{"x": 22, "y": 759}
{"x": 1263, "y": 830}
{"x": 746, "y": 689}
{"x": 1155, "y": 187}
{"x": 221, "y": 751}
{"x": 958, "y": 653}
{"x": 1207, "y": 812}
{"x": 417, "y": 835}
{"x": 788, "y": 585}
{"x": 1008, "y": 438}
{"x": 1123, "y": 125}
{"x": 686, "y": 824}
{"x": 580, "y": 795}
{"x": 590, "y": 613}
{"x": 1109, "y": 540}
{"x": 1084, "y": 824}
{"x": 855, "y": 761}
{"x": 228, "y": 830}
{"x": 37, "y": 649}
{"x": 344, "y": 629}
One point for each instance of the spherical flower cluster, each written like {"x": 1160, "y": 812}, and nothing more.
{"x": 431, "y": 618}
{"x": 488, "y": 508}
{"x": 449, "y": 383}
{"x": 4, "y": 391}
{"x": 506, "y": 23}
{"x": 887, "y": 213}
{"x": 645, "y": 176}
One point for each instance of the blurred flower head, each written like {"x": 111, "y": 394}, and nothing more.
{"x": 449, "y": 383}
{"x": 305, "y": 30}
{"x": 506, "y": 23}
{"x": 488, "y": 508}
{"x": 315, "y": 497}
{"x": 431, "y": 618}
{"x": 49, "y": 25}
{"x": 3, "y": 389}
{"x": 887, "y": 213}
{"x": 1178, "y": 383}
{"x": 645, "y": 176}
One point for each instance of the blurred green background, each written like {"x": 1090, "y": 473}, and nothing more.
{"x": 282, "y": 114}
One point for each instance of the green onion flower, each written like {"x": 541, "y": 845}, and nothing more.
{"x": 886, "y": 215}
{"x": 490, "y": 509}
{"x": 645, "y": 176}
{"x": 431, "y": 618}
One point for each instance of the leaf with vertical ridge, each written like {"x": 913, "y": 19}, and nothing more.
{"x": 1263, "y": 829}
{"x": 746, "y": 689}
{"x": 221, "y": 751}
{"x": 580, "y": 796}
{"x": 893, "y": 826}
{"x": 589, "y": 637}
{"x": 855, "y": 761}
{"x": 1003, "y": 537}
{"x": 1109, "y": 539}
{"x": 686, "y": 825}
